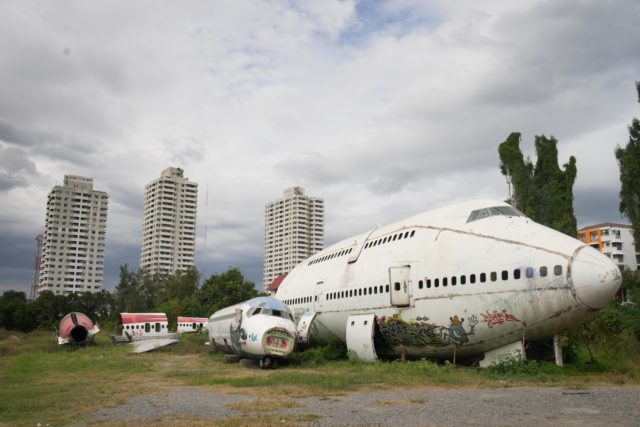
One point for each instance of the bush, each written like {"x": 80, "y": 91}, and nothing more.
{"x": 333, "y": 349}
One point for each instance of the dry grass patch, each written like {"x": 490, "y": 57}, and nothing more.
{"x": 260, "y": 420}
{"x": 263, "y": 405}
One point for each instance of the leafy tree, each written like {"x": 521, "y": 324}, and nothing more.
{"x": 629, "y": 163}
{"x": 129, "y": 295}
{"x": 12, "y": 303}
{"x": 180, "y": 285}
{"x": 543, "y": 192}
{"x": 222, "y": 290}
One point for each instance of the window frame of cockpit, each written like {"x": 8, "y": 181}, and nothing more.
{"x": 482, "y": 213}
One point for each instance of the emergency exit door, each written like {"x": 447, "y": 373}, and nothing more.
{"x": 400, "y": 284}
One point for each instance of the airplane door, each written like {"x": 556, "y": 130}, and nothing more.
{"x": 317, "y": 296}
{"x": 400, "y": 284}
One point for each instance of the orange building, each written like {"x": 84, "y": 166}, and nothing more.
{"x": 613, "y": 240}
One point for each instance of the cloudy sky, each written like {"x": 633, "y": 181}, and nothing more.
{"x": 383, "y": 108}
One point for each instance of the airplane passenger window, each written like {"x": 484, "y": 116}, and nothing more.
{"x": 494, "y": 276}
{"x": 395, "y": 236}
{"x": 557, "y": 270}
{"x": 381, "y": 288}
{"x": 428, "y": 283}
{"x": 386, "y": 288}
{"x": 472, "y": 278}
{"x": 399, "y": 236}
{"x": 412, "y": 233}
{"x": 147, "y": 327}
{"x": 444, "y": 281}
{"x": 505, "y": 275}
{"x": 420, "y": 284}
{"x": 360, "y": 292}
{"x": 350, "y": 293}
{"x": 375, "y": 290}
{"x": 516, "y": 273}
{"x": 529, "y": 272}
{"x": 406, "y": 234}
{"x": 543, "y": 271}
{"x": 436, "y": 282}
{"x": 370, "y": 291}
{"x": 454, "y": 280}
{"x": 396, "y": 286}
{"x": 483, "y": 277}
{"x": 463, "y": 279}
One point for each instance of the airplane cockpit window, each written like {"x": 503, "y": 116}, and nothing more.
{"x": 493, "y": 211}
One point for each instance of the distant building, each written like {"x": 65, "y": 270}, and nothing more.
{"x": 613, "y": 240}
{"x": 169, "y": 230}
{"x": 293, "y": 231}
{"x": 74, "y": 238}
{"x": 272, "y": 289}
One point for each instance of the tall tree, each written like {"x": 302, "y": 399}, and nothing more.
{"x": 629, "y": 162}
{"x": 543, "y": 192}
{"x": 222, "y": 290}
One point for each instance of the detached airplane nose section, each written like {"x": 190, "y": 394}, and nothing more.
{"x": 596, "y": 278}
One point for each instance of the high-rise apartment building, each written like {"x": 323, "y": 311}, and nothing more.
{"x": 74, "y": 238}
{"x": 293, "y": 231}
{"x": 613, "y": 240}
{"x": 169, "y": 231}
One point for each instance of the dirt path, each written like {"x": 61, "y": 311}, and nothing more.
{"x": 523, "y": 406}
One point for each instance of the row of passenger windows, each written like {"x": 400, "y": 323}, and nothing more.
{"x": 331, "y": 256}
{"x": 392, "y": 238}
{"x": 529, "y": 272}
{"x": 301, "y": 300}
{"x": 371, "y": 290}
{"x": 147, "y": 327}
{"x": 493, "y": 276}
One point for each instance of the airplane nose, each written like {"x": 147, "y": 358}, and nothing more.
{"x": 595, "y": 277}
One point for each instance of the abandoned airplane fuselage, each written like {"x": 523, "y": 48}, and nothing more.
{"x": 467, "y": 278}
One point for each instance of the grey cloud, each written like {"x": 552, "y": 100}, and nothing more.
{"x": 595, "y": 205}
{"x": 187, "y": 150}
{"x": 16, "y": 168}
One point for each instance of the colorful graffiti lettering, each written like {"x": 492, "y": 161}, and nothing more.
{"x": 421, "y": 334}
{"x": 498, "y": 318}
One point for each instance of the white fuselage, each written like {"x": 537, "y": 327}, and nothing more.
{"x": 257, "y": 328}
{"x": 437, "y": 281}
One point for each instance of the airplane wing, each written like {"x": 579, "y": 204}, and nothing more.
{"x": 152, "y": 344}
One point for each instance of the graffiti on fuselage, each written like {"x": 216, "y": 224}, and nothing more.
{"x": 498, "y": 318}
{"x": 420, "y": 333}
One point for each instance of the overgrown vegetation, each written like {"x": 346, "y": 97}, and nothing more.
{"x": 39, "y": 378}
{"x": 177, "y": 294}
{"x": 543, "y": 192}
{"x": 629, "y": 163}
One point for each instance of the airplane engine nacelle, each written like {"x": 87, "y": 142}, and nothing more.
{"x": 76, "y": 328}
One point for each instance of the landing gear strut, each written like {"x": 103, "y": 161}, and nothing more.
{"x": 267, "y": 362}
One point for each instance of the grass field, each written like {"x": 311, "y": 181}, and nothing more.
{"x": 42, "y": 383}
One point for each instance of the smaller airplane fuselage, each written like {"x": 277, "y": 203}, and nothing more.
{"x": 259, "y": 328}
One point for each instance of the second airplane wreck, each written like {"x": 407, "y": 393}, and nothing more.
{"x": 260, "y": 329}
{"x": 146, "y": 331}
